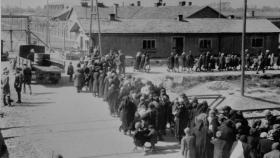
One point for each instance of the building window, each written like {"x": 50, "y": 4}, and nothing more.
{"x": 149, "y": 44}
{"x": 205, "y": 43}
{"x": 257, "y": 42}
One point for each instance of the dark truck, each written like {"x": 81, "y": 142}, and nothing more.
{"x": 44, "y": 69}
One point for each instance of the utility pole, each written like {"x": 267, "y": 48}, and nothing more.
{"x": 99, "y": 29}
{"x": 28, "y": 31}
{"x": 11, "y": 33}
{"x": 90, "y": 29}
{"x": 220, "y": 8}
{"x": 243, "y": 49}
{"x": 47, "y": 25}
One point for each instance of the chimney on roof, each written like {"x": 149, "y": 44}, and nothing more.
{"x": 182, "y": 3}
{"x": 84, "y": 3}
{"x": 116, "y": 7}
{"x": 112, "y": 17}
{"x": 180, "y": 17}
{"x": 190, "y": 3}
{"x": 253, "y": 13}
{"x": 138, "y": 3}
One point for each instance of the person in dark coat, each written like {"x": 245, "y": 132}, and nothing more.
{"x": 161, "y": 117}
{"x": 188, "y": 145}
{"x": 147, "y": 66}
{"x": 228, "y": 134}
{"x": 199, "y": 63}
{"x": 278, "y": 61}
{"x": 253, "y": 141}
{"x": 3, "y": 147}
{"x": 70, "y": 71}
{"x": 248, "y": 62}
{"x": 101, "y": 83}
{"x": 113, "y": 94}
{"x": 137, "y": 61}
{"x": 261, "y": 63}
{"x": 95, "y": 83}
{"x": 142, "y": 62}
{"x": 18, "y": 83}
{"x": 127, "y": 111}
{"x": 5, "y": 87}
{"x": 246, "y": 147}
{"x": 180, "y": 112}
{"x": 190, "y": 60}
{"x": 27, "y": 75}
{"x": 176, "y": 62}
{"x": 212, "y": 63}
{"x": 202, "y": 138}
{"x": 264, "y": 144}
{"x": 78, "y": 80}
{"x": 222, "y": 62}
{"x": 171, "y": 62}
{"x": 106, "y": 87}
{"x": 122, "y": 62}
{"x": 213, "y": 123}
{"x": 207, "y": 61}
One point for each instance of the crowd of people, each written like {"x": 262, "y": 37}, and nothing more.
{"x": 148, "y": 114}
{"x": 222, "y": 62}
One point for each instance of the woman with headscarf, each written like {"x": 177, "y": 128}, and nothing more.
{"x": 101, "y": 83}
{"x": 228, "y": 134}
{"x": 95, "y": 83}
{"x": 142, "y": 62}
{"x": 127, "y": 111}
{"x": 78, "y": 80}
{"x": 180, "y": 113}
{"x": 113, "y": 94}
{"x": 203, "y": 145}
{"x": 106, "y": 86}
{"x": 213, "y": 122}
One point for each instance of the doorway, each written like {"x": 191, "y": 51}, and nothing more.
{"x": 178, "y": 44}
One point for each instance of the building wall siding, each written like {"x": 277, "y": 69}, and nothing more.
{"x": 130, "y": 44}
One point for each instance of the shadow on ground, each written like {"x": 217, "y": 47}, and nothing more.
{"x": 263, "y": 100}
{"x": 34, "y": 104}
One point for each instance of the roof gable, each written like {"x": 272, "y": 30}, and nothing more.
{"x": 207, "y": 12}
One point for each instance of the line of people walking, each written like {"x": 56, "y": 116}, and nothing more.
{"x": 207, "y": 62}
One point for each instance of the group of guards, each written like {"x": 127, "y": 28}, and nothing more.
{"x": 22, "y": 79}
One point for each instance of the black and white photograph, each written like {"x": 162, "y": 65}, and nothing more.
{"x": 140, "y": 79}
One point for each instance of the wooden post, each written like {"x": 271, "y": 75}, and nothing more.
{"x": 243, "y": 49}
{"x": 90, "y": 29}
{"x": 11, "y": 40}
{"x": 99, "y": 29}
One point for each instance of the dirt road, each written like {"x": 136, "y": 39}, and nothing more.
{"x": 55, "y": 119}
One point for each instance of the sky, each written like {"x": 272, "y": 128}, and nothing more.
{"x": 234, "y": 3}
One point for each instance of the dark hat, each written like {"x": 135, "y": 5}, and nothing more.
{"x": 226, "y": 108}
